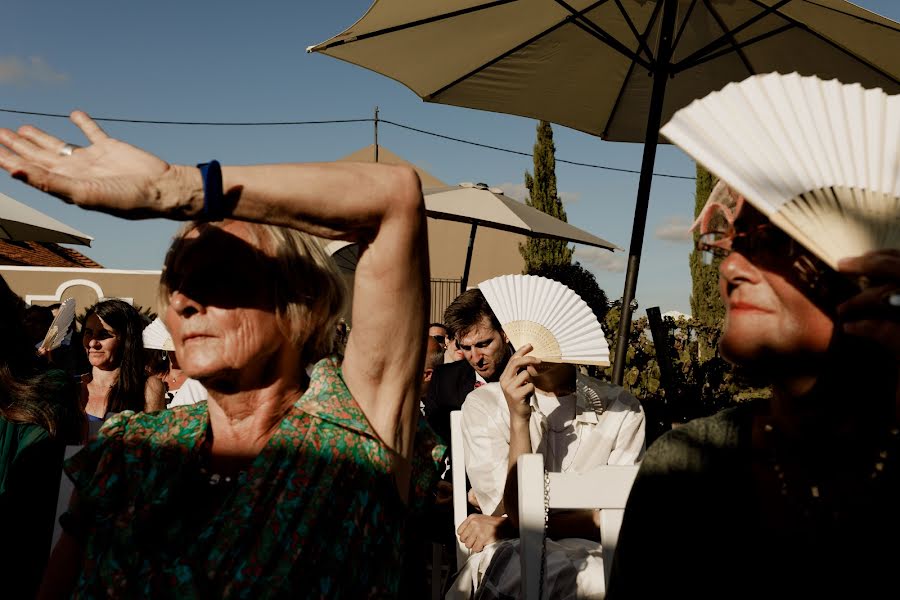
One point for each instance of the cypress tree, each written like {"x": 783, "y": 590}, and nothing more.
{"x": 707, "y": 309}
{"x": 543, "y": 196}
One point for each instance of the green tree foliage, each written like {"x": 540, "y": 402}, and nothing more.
{"x": 701, "y": 387}
{"x": 581, "y": 281}
{"x": 707, "y": 309}
{"x": 703, "y": 382}
{"x": 542, "y": 195}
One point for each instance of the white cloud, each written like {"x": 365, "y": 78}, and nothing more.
{"x": 674, "y": 229}
{"x": 569, "y": 197}
{"x": 18, "y": 71}
{"x": 600, "y": 259}
{"x": 518, "y": 191}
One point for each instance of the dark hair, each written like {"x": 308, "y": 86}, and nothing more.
{"x": 128, "y": 391}
{"x": 467, "y": 311}
{"x": 436, "y": 324}
{"x": 37, "y": 320}
{"x": 26, "y": 394}
{"x": 435, "y": 358}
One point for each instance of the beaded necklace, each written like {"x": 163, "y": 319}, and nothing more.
{"x": 825, "y": 496}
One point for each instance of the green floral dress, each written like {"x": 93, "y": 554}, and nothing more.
{"x": 316, "y": 515}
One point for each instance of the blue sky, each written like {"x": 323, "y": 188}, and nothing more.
{"x": 226, "y": 60}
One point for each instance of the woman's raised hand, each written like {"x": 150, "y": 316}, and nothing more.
{"x": 107, "y": 175}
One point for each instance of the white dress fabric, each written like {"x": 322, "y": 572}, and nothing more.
{"x": 190, "y": 392}
{"x": 604, "y": 427}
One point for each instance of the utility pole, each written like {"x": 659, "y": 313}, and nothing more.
{"x": 376, "y": 134}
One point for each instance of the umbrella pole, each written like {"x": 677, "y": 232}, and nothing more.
{"x": 465, "y": 278}
{"x": 660, "y": 77}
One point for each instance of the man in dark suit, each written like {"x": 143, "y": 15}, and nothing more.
{"x": 478, "y": 334}
{"x": 473, "y": 326}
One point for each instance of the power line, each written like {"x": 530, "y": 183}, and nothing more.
{"x": 559, "y": 160}
{"x": 337, "y": 121}
{"x": 202, "y": 123}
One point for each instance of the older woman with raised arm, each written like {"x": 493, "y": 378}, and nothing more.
{"x": 285, "y": 483}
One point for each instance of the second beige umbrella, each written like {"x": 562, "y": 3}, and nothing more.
{"x": 478, "y": 204}
{"x": 21, "y": 223}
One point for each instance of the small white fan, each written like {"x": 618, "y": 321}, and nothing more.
{"x": 820, "y": 159}
{"x": 156, "y": 336}
{"x": 549, "y": 316}
{"x": 60, "y": 325}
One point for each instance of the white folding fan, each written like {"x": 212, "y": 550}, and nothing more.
{"x": 549, "y": 316}
{"x": 820, "y": 159}
{"x": 60, "y": 325}
{"x": 156, "y": 336}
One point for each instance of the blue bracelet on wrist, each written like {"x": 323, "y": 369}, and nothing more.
{"x": 213, "y": 195}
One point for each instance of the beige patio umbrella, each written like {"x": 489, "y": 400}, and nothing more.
{"x": 613, "y": 68}
{"x": 21, "y": 223}
{"x": 478, "y": 204}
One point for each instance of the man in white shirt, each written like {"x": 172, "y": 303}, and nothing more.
{"x": 577, "y": 423}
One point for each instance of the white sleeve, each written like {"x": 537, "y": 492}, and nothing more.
{"x": 486, "y": 448}
{"x": 190, "y": 392}
{"x": 631, "y": 438}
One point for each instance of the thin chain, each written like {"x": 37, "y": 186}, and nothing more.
{"x": 544, "y": 538}
{"x": 813, "y": 494}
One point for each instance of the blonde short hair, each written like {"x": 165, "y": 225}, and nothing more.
{"x": 309, "y": 293}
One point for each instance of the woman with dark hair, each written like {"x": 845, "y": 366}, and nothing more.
{"x": 34, "y": 425}
{"x": 118, "y": 380}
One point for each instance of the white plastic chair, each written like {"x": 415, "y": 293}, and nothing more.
{"x": 458, "y": 464}
{"x": 605, "y": 488}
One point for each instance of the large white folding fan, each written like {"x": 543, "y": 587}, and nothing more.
{"x": 60, "y": 325}
{"x": 821, "y": 159}
{"x": 156, "y": 336}
{"x": 548, "y": 315}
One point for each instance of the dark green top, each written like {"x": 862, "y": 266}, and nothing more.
{"x": 700, "y": 525}
{"x": 30, "y": 471}
{"x": 316, "y": 515}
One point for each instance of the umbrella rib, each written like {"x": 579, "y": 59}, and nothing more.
{"x": 640, "y": 40}
{"x": 731, "y": 40}
{"x": 599, "y": 33}
{"x": 426, "y": 21}
{"x": 714, "y": 45}
{"x": 430, "y": 97}
{"x": 621, "y": 94}
{"x": 684, "y": 22}
{"x": 835, "y": 45}
{"x": 744, "y": 44}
